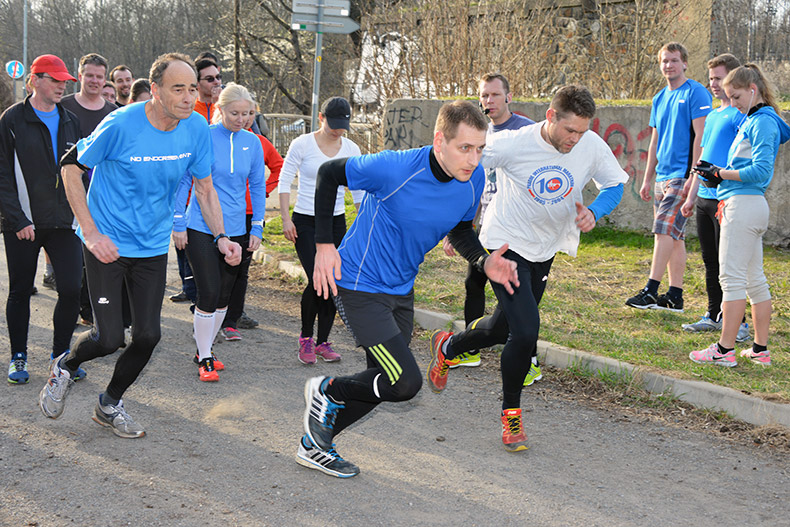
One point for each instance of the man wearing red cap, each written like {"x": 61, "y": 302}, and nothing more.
{"x": 34, "y": 134}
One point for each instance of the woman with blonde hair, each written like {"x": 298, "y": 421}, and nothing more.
{"x": 743, "y": 213}
{"x": 238, "y": 160}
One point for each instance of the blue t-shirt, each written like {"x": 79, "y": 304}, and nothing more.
{"x": 52, "y": 120}
{"x": 238, "y": 157}
{"x": 405, "y": 213}
{"x": 515, "y": 122}
{"x": 721, "y": 125}
{"x": 671, "y": 116}
{"x": 137, "y": 169}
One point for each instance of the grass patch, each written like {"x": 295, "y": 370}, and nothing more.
{"x": 583, "y": 308}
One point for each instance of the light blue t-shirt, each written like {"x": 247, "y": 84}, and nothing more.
{"x": 405, "y": 213}
{"x": 137, "y": 169}
{"x": 671, "y": 115}
{"x": 52, "y": 121}
{"x": 238, "y": 158}
{"x": 721, "y": 125}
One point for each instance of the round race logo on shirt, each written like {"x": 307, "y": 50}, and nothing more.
{"x": 550, "y": 184}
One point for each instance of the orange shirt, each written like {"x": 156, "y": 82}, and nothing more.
{"x": 274, "y": 161}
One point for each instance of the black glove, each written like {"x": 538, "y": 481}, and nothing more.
{"x": 709, "y": 173}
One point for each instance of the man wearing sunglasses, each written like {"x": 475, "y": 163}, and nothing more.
{"x": 209, "y": 86}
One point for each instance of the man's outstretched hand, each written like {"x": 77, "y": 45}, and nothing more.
{"x": 501, "y": 270}
{"x": 326, "y": 270}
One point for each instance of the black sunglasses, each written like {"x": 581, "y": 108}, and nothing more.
{"x": 209, "y": 78}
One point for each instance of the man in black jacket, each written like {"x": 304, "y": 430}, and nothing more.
{"x": 34, "y": 134}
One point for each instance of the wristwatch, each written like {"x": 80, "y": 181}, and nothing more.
{"x": 220, "y": 235}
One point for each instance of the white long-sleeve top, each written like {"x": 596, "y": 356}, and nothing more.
{"x": 304, "y": 156}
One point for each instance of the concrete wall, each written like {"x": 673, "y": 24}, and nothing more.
{"x": 409, "y": 124}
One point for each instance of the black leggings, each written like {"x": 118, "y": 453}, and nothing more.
{"x": 312, "y": 304}
{"x": 239, "y": 290}
{"x": 382, "y": 324}
{"x": 145, "y": 280}
{"x": 63, "y": 248}
{"x": 514, "y": 323}
{"x": 213, "y": 276}
{"x": 475, "y": 301}
{"x": 708, "y": 233}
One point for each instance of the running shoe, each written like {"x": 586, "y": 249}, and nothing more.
{"x": 534, "y": 373}
{"x": 206, "y": 370}
{"x": 644, "y": 299}
{"x": 437, "y": 369}
{"x": 705, "y": 323}
{"x": 743, "y": 333}
{"x": 469, "y": 359}
{"x": 181, "y": 296}
{"x": 763, "y": 358}
{"x": 711, "y": 355}
{"x": 320, "y": 413}
{"x": 52, "y": 398}
{"x": 78, "y": 376}
{"x": 218, "y": 365}
{"x": 49, "y": 281}
{"x": 668, "y": 303}
{"x": 328, "y": 462}
{"x": 513, "y": 436}
{"x": 306, "y": 350}
{"x": 231, "y": 333}
{"x": 327, "y": 354}
{"x": 17, "y": 370}
{"x": 115, "y": 417}
{"x": 245, "y": 322}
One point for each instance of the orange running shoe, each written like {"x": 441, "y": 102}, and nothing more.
{"x": 513, "y": 436}
{"x": 437, "y": 369}
{"x": 217, "y": 363}
{"x": 207, "y": 372}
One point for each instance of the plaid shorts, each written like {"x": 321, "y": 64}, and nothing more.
{"x": 666, "y": 207}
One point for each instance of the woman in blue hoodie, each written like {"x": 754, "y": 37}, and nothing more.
{"x": 743, "y": 213}
{"x": 238, "y": 159}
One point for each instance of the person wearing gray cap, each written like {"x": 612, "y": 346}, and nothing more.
{"x": 305, "y": 155}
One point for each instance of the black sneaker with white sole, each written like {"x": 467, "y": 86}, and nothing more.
{"x": 328, "y": 462}
{"x": 668, "y": 303}
{"x": 644, "y": 299}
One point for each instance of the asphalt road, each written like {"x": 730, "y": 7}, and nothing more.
{"x": 223, "y": 453}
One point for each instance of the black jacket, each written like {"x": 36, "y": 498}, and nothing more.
{"x": 31, "y": 189}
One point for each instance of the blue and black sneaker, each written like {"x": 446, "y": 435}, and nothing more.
{"x": 320, "y": 413}
{"x": 328, "y": 462}
{"x": 17, "y": 370}
{"x": 81, "y": 374}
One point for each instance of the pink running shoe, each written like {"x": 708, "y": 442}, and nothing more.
{"x": 763, "y": 358}
{"x": 325, "y": 351}
{"x": 306, "y": 350}
{"x": 711, "y": 355}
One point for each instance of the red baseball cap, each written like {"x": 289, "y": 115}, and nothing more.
{"x": 52, "y": 65}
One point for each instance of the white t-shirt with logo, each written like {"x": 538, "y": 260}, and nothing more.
{"x": 534, "y": 209}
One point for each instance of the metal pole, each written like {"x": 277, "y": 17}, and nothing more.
{"x": 24, "y": 44}
{"x": 317, "y": 66}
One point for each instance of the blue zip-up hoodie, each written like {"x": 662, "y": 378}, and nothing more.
{"x": 753, "y": 153}
{"x": 238, "y": 157}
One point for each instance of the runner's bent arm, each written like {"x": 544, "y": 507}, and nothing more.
{"x": 102, "y": 247}
{"x": 331, "y": 175}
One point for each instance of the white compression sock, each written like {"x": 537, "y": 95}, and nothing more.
{"x": 204, "y": 333}
{"x": 219, "y": 318}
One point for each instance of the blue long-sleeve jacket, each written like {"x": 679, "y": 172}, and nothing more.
{"x": 753, "y": 153}
{"x": 238, "y": 159}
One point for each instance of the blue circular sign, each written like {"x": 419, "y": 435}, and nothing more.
{"x": 15, "y": 69}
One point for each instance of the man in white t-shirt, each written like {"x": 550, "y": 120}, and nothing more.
{"x": 539, "y": 211}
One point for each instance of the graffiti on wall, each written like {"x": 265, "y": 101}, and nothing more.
{"x": 630, "y": 151}
{"x": 401, "y": 128}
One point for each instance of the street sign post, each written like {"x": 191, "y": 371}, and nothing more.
{"x": 321, "y": 16}
{"x": 15, "y": 70}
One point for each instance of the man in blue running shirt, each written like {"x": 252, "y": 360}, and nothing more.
{"x": 414, "y": 198}
{"x": 677, "y": 119}
{"x": 138, "y": 154}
